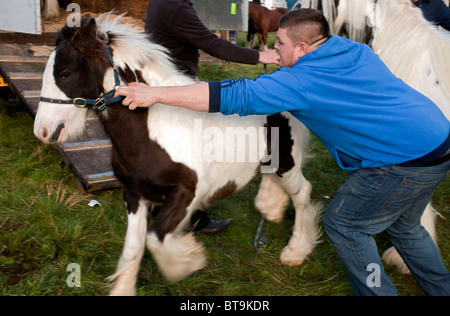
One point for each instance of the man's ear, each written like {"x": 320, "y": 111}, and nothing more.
{"x": 302, "y": 49}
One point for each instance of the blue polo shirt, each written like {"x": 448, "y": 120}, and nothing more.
{"x": 363, "y": 114}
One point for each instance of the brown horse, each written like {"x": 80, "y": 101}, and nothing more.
{"x": 262, "y": 21}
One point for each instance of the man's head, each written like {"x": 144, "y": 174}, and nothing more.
{"x": 300, "y": 32}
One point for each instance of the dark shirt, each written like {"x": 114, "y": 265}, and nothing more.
{"x": 175, "y": 25}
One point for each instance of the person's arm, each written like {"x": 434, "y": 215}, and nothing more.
{"x": 267, "y": 94}
{"x": 190, "y": 29}
{"x": 193, "y": 97}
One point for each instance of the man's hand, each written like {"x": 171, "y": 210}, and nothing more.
{"x": 137, "y": 94}
{"x": 193, "y": 97}
{"x": 269, "y": 56}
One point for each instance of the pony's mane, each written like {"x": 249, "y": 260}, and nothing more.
{"x": 133, "y": 48}
{"x": 328, "y": 7}
{"x": 407, "y": 42}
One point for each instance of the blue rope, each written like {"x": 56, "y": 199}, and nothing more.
{"x": 259, "y": 242}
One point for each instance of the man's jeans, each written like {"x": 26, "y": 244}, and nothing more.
{"x": 388, "y": 199}
{"x": 435, "y": 11}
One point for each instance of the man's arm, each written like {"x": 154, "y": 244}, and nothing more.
{"x": 268, "y": 94}
{"x": 194, "y": 97}
{"x": 191, "y": 30}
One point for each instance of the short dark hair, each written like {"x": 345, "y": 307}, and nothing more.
{"x": 305, "y": 25}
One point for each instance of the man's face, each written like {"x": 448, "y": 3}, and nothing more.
{"x": 289, "y": 53}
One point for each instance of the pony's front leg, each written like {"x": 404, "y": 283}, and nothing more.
{"x": 129, "y": 263}
{"x": 177, "y": 253}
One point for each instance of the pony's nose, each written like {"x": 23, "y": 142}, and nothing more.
{"x": 44, "y": 134}
{"x": 58, "y": 133}
{"x": 48, "y": 137}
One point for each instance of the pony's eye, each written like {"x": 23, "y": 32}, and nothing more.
{"x": 65, "y": 75}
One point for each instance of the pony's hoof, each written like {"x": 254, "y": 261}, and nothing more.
{"x": 391, "y": 257}
{"x": 291, "y": 258}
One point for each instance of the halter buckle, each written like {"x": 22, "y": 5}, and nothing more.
{"x": 80, "y": 102}
{"x": 100, "y": 104}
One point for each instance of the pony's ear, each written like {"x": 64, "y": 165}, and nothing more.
{"x": 89, "y": 26}
{"x": 76, "y": 37}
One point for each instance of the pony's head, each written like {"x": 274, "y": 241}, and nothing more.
{"x": 75, "y": 69}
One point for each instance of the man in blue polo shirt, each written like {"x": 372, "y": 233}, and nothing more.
{"x": 393, "y": 140}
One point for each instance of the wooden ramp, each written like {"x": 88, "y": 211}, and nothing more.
{"x": 22, "y": 68}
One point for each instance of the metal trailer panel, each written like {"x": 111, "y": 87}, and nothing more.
{"x": 231, "y": 15}
{"x": 22, "y": 16}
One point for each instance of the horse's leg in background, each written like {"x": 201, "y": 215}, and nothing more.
{"x": 260, "y": 39}
{"x": 250, "y": 34}
{"x": 129, "y": 263}
{"x": 177, "y": 253}
{"x": 51, "y": 9}
{"x": 264, "y": 44}
{"x": 428, "y": 220}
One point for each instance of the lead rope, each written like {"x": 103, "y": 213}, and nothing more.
{"x": 259, "y": 242}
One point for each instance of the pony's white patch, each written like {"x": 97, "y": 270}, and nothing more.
{"x": 129, "y": 263}
{"x": 49, "y": 115}
{"x": 177, "y": 256}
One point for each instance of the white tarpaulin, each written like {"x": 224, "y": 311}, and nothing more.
{"x": 22, "y": 16}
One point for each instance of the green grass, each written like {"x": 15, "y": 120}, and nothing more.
{"x": 46, "y": 224}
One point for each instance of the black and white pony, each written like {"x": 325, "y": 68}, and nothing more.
{"x": 169, "y": 158}
{"x": 415, "y": 51}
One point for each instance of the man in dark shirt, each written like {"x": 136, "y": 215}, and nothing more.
{"x": 435, "y": 11}
{"x": 175, "y": 25}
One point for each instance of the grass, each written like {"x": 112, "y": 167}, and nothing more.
{"x": 46, "y": 224}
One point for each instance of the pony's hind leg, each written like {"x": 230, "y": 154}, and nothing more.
{"x": 428, "y": 220}
{"x": 289, "y": 140}
{"x": 178, "y": 254}
{"x": 129, "y": 263}
{"x": 306, "y": 230}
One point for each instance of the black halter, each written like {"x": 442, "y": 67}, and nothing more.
{"x": 100, "y": 103}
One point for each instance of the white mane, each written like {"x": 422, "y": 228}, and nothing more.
{"x": 133, "y": 48}
{"x": 414, "y": 50}
{"x": 328, "y": 7}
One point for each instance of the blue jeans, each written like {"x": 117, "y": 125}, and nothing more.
{"x": 388, "y": 199}
{"x": 435, "y": 11}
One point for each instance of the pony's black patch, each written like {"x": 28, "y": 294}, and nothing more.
{"x": 81, "y": 61}
{"x": 286, "y": 160}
